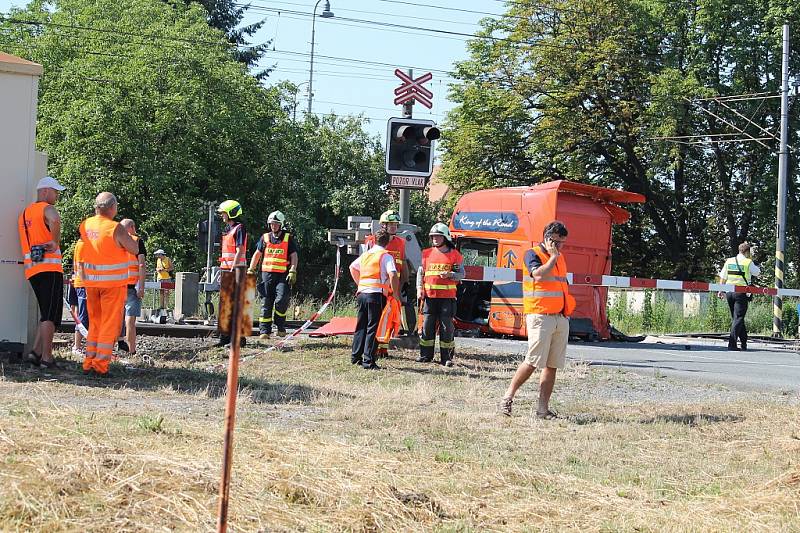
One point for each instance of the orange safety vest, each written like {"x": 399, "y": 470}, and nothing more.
{"x": 370, "y": 271}
{"x": 229, "y": 249}
{"x": 549, "y": 295}
{"x": 133, "y": 265}
{"x": 38, "y": 233}
{"x": 389, "y": 323}
{"x": 276, "y": 256}
{"x": 434, "y": 262}
{"x": 396, "y": 247}
{"x": 105, "y": 263}
{"x": 76, "y": 265}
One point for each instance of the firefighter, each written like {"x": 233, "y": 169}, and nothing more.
{"x": 40, "y": 234}
{"x": 234, "y": 239}
{"x": 441, "y": 271}
{"x": 234, "y": 245}
{"x": 277, "y": 253}
{"x": 390, "y": 222}
{"x": 105, "y": 255}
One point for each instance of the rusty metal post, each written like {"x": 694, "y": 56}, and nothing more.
{"x": 238, "y": 311}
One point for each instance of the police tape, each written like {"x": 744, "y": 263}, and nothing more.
{"x": 307, "y": 324}
{"x": 498, "y": 274}
{"x": 78, "y": 324}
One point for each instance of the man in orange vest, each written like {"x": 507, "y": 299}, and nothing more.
{"x": 375, "y": 273}
{"x": 234, "y": 245}
{"x": 547, "y": 304}
{"x": 442, "y": 269}
{"x": 135, "y": 292}
{"x": 277, "y": 253}
{"x": 390, "y": 222}
{"x": 40, "y": 236}
{"x": 107, "y": 248}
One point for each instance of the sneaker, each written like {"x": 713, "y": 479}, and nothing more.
{"x": 423, "y": 359}
{"x": 505, "y": 406}
{"x": 122, "y": 345}
{"x": 448, "y": 363}
{"x": 33, "y": 358}
{"x": 264, "y": 336}
{"x": 370, "y": 366}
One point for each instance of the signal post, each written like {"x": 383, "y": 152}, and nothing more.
{"x": 409, "y": 142}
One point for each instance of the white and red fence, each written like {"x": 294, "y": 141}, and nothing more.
{"x": 478, "y": 273}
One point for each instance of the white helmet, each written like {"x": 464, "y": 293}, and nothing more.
{"x": 440, "y": 229}
{"x": 277, "y": 216}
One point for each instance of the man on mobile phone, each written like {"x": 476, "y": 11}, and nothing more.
{"x": 547, "y": 304}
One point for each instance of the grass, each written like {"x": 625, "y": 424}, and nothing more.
{"x": 322, "y": 445}
{"x": 659, "y": 316}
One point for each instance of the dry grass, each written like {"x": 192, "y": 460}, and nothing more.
{"x": 322, "y": 445}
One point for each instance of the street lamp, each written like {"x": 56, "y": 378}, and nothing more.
{"x": 326, "y": 14}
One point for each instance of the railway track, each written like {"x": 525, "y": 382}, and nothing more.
{"x": 191, "y": 328}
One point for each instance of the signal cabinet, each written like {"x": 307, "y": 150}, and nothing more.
{"x": 20, "y": 168}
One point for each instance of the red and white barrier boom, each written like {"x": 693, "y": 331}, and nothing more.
{"x": 478, "y": 273}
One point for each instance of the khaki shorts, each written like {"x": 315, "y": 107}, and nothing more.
{"x": 547, "y": 340}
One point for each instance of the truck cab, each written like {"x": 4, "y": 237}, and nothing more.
{"x": 496, "y": 227}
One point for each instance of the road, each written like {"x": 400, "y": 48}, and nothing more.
{"x": 764, "y": 367}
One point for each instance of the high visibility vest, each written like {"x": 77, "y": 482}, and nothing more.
{"x": 389, "y": 323}
{"x": 105, "y": 263}
{"x": 166, "y": 264}
{"x": 434, "y": 262}
{"x": 396, "y": 247}
{"x": 39, "y": 233}
{"x": 229, "y": 249}
{"x": 76, "y": 265}
{"x": 276, "y": 256}
{"x": 549, "y": 295}
{"x": 737, "y": 276}
{"x": 370, "y": 271}
{"x": 133, "y": 265}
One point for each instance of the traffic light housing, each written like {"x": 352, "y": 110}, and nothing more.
{"x": 202, "y": 233}
{"x": 409, "y": 146}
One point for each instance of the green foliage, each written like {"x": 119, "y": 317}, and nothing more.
{"x": 151, "y": 105}
{"x": 151, "y": 424}
{"x": 587, "y": 91}
{"x": 661, "y": 315}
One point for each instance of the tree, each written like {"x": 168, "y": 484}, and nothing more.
{"x": 226, "y": 15}
{"x": 587, "y": 90}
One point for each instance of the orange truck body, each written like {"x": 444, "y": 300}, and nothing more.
{"x": 512, "y": 220}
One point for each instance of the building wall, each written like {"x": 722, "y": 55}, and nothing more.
{"x": 19, "y": 84}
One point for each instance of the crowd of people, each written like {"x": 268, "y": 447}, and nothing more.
{"x": 109, "y": 278}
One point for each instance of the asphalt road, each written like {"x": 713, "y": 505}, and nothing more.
{"x": 764, "y": 367}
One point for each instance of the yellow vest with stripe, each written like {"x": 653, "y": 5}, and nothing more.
{"x": 737, "y": 276}
{"x": 276, "y": 256}
{"x": 550, "y": 294}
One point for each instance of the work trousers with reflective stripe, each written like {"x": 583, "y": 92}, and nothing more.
{"x": 105, "y": 307}
{"x": 438, "y": 313}
{"x": 274, "y": 290}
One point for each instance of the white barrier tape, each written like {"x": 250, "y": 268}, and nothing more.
{"x": 494, "y": 274}
{"x": 307, "y": 324}
{"x": 78, "y": 324}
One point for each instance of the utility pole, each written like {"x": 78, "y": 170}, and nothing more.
{"x": 783, "y": 170}
{"x": 405, "y": 194}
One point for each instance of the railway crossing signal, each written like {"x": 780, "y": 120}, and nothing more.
{"x": 409, "y": 146}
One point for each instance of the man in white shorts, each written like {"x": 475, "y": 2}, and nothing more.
{"x": 547, "y": 304}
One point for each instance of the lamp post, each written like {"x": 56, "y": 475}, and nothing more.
{"x": 326, "y": 14}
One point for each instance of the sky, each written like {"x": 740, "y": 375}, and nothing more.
{"x": 354, "y": 62}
